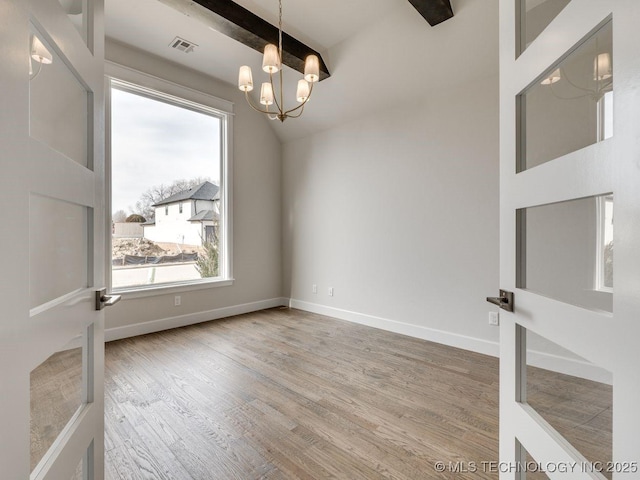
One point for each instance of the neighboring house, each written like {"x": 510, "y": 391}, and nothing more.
{"x": 188, "y": 217}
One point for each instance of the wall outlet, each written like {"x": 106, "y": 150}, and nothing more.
{"x": 494, "y": 318}
{"x": 314, "y": 288}
{"x": 331, "y": 291}
{"x": 177, "y": 300}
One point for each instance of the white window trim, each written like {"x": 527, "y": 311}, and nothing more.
{"x": 138, "y": 82}
{"x": 600, "y": 219}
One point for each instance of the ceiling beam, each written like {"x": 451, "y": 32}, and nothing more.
{"x": 434, "y": 11}
{"x": 238, "y": 23}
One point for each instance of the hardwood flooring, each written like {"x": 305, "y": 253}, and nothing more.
{"x": 284, "y": 394}
{"x": 56, "y": 395}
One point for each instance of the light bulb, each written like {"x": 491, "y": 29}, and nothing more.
{"x": 553, "y": 78}
{"x": 303, "y": 90}
{"x": 39, "y": 52}
{"x": 602, "y": 67}
{"x": 271, "y": 59}
{"x": 266, "y": 94}
{"x": 312, "y": 69}
{"x": 245, "y": 79}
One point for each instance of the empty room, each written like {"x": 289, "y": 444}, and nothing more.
{"x": 285, "y": 239}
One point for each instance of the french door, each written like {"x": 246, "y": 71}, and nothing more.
{"x": 51, "y": 210}
{"x": 569, "y": 150}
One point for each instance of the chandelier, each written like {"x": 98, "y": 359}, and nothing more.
{"x": 272, "y": 64}
{"x": 602, "y": 77}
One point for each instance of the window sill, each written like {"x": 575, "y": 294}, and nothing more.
{"x": 170, "y": 288}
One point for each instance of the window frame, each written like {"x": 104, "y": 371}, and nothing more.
{"x": 601, "y": 209}
{"x": 140, "y": 83}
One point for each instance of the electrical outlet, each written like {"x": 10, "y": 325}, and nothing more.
{"x": 177, "y": 300}
{"x": 314, "y": 288}
{"x": 494, "y": 318}
{"x": 331, "y": 291}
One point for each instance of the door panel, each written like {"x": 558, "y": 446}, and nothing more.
{"x": 558, "y": 252}
{"x": 52, "y": 184}
{"x": 56, "y": 93}
{"x": 576, "y": 173}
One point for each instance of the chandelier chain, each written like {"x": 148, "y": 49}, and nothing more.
{"x": 280, "y": 29}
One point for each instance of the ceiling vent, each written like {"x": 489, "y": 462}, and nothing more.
{"x": 183, "y": 45}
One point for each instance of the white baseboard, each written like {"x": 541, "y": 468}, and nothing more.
{"x": 544, "y": 360}
{"x": 439, "y": 336}
{"x": 569, "y": 366}
{"x": 127, "y": 331}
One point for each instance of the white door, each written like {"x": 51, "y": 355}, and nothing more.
{"x": 566, "y": 155}
{"x": 51, "y": 212}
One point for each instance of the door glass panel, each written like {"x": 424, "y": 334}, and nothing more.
{"x": 571, "y": 105}
{"x": 566, "y": 251}
{"x": 77, "y": 475}
{"x": 534, "y": 470}
{"x": 56, "y": 394}
{"x": 75, "y": 11}
{"x": 58, "y": 103}
{"x": 57, "y": 248}
{"x": 535, "y": 16}
{"x": 573, "y": 395}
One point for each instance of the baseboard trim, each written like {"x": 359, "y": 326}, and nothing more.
{"x": 439, "y": 336}
{"x": 118, "y": 333}
{"x": 544, "y": 360}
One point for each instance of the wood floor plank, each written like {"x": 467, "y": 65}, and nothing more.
{"x": 284, "y": 394}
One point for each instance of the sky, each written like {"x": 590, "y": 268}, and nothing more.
{"x": 153, "y": 142}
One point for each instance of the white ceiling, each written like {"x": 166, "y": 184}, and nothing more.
{"x": 381, "y": 53}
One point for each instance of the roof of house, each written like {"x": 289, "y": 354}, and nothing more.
{"x": 204, "y": 191}
{"x": 204, "y": 215}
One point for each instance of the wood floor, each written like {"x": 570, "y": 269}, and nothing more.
{"x": 56, "y": 395}
{"x": 283, "y": 394}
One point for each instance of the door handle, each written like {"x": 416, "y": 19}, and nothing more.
{"x": 504, "y": 301}
{"x": 103, "y": 300}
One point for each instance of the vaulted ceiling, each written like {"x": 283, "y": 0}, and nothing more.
{"x": 382, "y": 54}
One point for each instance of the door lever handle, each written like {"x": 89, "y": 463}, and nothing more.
{"x": 504, "y": 301}
{"x": 103, "y": 300}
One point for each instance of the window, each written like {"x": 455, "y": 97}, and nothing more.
{"x": 573, "y": 96}
{"x": 604, "y": 253}
{"x": 167, "y": 150}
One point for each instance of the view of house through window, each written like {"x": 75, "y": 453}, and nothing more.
{"x": 166, "y": 165}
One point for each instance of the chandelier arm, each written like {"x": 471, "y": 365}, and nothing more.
{"x": 246, "y": 94}
{"x": 36, "y": 73}
{"x": 566, "y": 77}
{"x": 281, "y": 73}
{"x": 300, "y": 113}
{"x": 560, "y": 97}
{"x": 301, "y": 105}
{"x": 275, "y": 97}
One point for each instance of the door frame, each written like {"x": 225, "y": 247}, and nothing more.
{"x": 29, "y": 334}
{"x": 605, "y": 339}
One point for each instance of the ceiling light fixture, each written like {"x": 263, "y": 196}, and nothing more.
{"x": 602, "y": 76}
{"x": 272, "y": 63}
{"x": 40, "y": 54}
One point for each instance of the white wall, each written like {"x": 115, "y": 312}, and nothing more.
{"x": 561, "y": 241}
{"x": 128, "y": 230}
{"x": 257, "y": 260}
{"x": 174, "y": 226}
{"x": 398, "y": 212}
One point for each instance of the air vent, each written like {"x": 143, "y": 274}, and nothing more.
{"x": 183, "y": 45}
